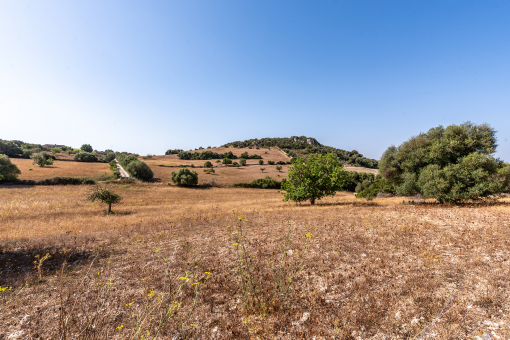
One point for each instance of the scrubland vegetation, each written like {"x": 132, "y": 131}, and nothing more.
{"x": 180, "y": 257}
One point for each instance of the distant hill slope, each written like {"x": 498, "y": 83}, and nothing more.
{"x": 303, "y": 146}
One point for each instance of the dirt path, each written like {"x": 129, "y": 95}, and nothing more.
{"x": 123, "y": 173}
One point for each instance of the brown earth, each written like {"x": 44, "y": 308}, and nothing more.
{"x": 59, "y": 168}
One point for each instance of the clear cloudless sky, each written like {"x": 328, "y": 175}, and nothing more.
{"x": 146, "y": 76}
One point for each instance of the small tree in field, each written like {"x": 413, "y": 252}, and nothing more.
{"x": 208, "y": 164}
{"x": 227, "y": 161}
{"x": 185, "y": 177}
{"x": 41, "y": 159}
{"x": 261, "y": 162}
{"x": 86, "y": 148}
{"x": 104, "y": 195}
{"x": 314, "y": 178}
{"x": 279, "y": 168}
{"x": 242, "y": 161}
{"x": 262, "y": 169}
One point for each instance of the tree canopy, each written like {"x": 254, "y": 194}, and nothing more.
{"x": 450, "y": 164}
{"x": 8, "y": 170}
{"x": 314, "y": 178}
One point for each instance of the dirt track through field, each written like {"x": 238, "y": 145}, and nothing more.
{"x": 123, "y": 173}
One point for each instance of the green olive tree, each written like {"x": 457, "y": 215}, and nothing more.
{"x": 104, "y": 195}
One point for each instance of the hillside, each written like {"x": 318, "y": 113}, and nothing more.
{"x": 303, "y": 146}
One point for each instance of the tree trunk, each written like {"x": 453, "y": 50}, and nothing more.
{"x": 312, "y": 200}
{"x": 109, "y": 208}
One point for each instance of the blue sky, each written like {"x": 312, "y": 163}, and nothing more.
{"x": 146, "y": 76}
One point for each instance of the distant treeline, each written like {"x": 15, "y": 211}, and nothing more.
{"x": 204, "y": 155}
{"x": 303, "y": 146}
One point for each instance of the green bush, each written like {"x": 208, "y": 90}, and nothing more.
{"x": 450, "y": 164}
{"x": 86, "y": 148}
{"x": 42, "y": 159}
{"x": 371, "y": 191}
{"x": 261, "y": 162}
{"x": 242, "y": 161}
{"x": 270, "y": 162}
{"x": 226, "y": 161}
{"x": 261, "y": 183}
{"x": 140, "y": 170}
{"x": 209, "y": 171}
{"x": 9, "y": 148}
{"x": 110, "y": 156}
{"x": 185, "y": 178}
{"x": 281, "y": 163}
{"x": 279, "y": 168}
{"x": 85, "y": 157}
{"x": 66, "y": 181}
{"x": 208, "y": 164}
{"x": 125, "y": 160}
{"x": 237, "y": 165}
{"x": 8, "y": 170}
{"x": 173, "y": 151}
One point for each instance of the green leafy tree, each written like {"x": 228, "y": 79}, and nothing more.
{"x": 314, "y": 178}
{"x": 208, "y": 164}
{"x": 279, "y": 168}
{"x": 218, "y": 161}
{"x": 226, "y": 161}
{"x": 242, "y": 161}
{"x": 209, "y": 171}
{"x": 85, "y": 157}
{"x": 261, "y": 162}
{"x": 140, "y": 170}
{"x": 8, "y": 170}
{"x": 41, "y": 159}
{"x": 185, "y": 177}
{"x": 9, "y": 148}
{"x": 86, "y": 148}
{"x": 450, "y": 164}
{"x": 104, "y": 195}
{"x": 110, "y": 156}
{"x": 262, "y": 169}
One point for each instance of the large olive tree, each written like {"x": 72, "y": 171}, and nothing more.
{"x": 450, "y": 164}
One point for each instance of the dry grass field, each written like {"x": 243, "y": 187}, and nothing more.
{"x": 177, "y": 263}
{"x": 59, "y": 168}
{"x": 163, "y": 166}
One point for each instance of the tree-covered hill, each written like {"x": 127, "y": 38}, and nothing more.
{"x": 303, "y": 146}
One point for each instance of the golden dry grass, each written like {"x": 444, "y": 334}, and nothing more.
{"x": 59, "y": 168}
{"x": 373, "y": 270}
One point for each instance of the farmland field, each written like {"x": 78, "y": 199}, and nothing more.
{"x": 59, "y": 168}
{"x": 369, "y": 269}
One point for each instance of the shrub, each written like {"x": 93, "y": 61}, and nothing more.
{"x": 236, "y": 164}
{"x": 55, "y": 150}
{"x": 371, "y": 191}
{"x": 262, "y": 169}
{"x": 8, "y": 170}
{"x": 279, "y": 168}
{"x": 314, "y": 178}
{"x": 242, "y": 161}
{"x": 261, "y": 162}
{"x": 110, "y": 156}
{"x": 209, "y": 171}
{"x": 450, "y": 164}
{"x": 125, "y": 160}
{"x": 218, "y": 161}
{"x": 173, "y": 152}
{"x": 66, "y": 181}
{"x": 226, "y": 161}
{"x": 85, "y": 157}
{"x": 255, "y": 157}
{"x": 245, "y": 155}
{"x": 41, "y": 159}
{"x": 86, "y": 148}
{"x": 185, "y": 177}
{"x": 9, "y": 148}
{"x": 261, "y": 183}
{"x": 140, "y": 170}
{"x": 270, "y": 162}
{"x": 208, "y": 164}
{"x": 281, "y": 163}
{"x": 104, "y": 195}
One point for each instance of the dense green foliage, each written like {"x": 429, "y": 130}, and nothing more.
{"x": 209, "y": 171}
{"x": 140, "y": 170}
{"x": 261, "y": 162}
{"x": 185, "y": 177}
{"x": 371, "y": 191}
{"x": 314, "y": 178}
{"x": 173, "y": 151}
{"x": 450, "y": 164}
{"x": 66, "y": 181}
{"x": 242, "y": 161}
{"x": 114, "y": 169}
{"x": 204, "y": 155}
{"x": 86, "y": 148}
{"x": 55, "y": 150}
{"x": 42, "y": 159}
{"x": 270, "y": 162}
{"x": 279, "y": 167}
{"x": 8, "y": 170}
{"x": 110, "y": 156}
{"x": 208, "y": 164}
{"x": 304, "y": 146}
{"x": 261, "y": 183}
{"x": 245, "y": 155}
{"x": 226, "y": 161}
{"x": 85, "y": 157}
{"x": 9, "y": 148}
